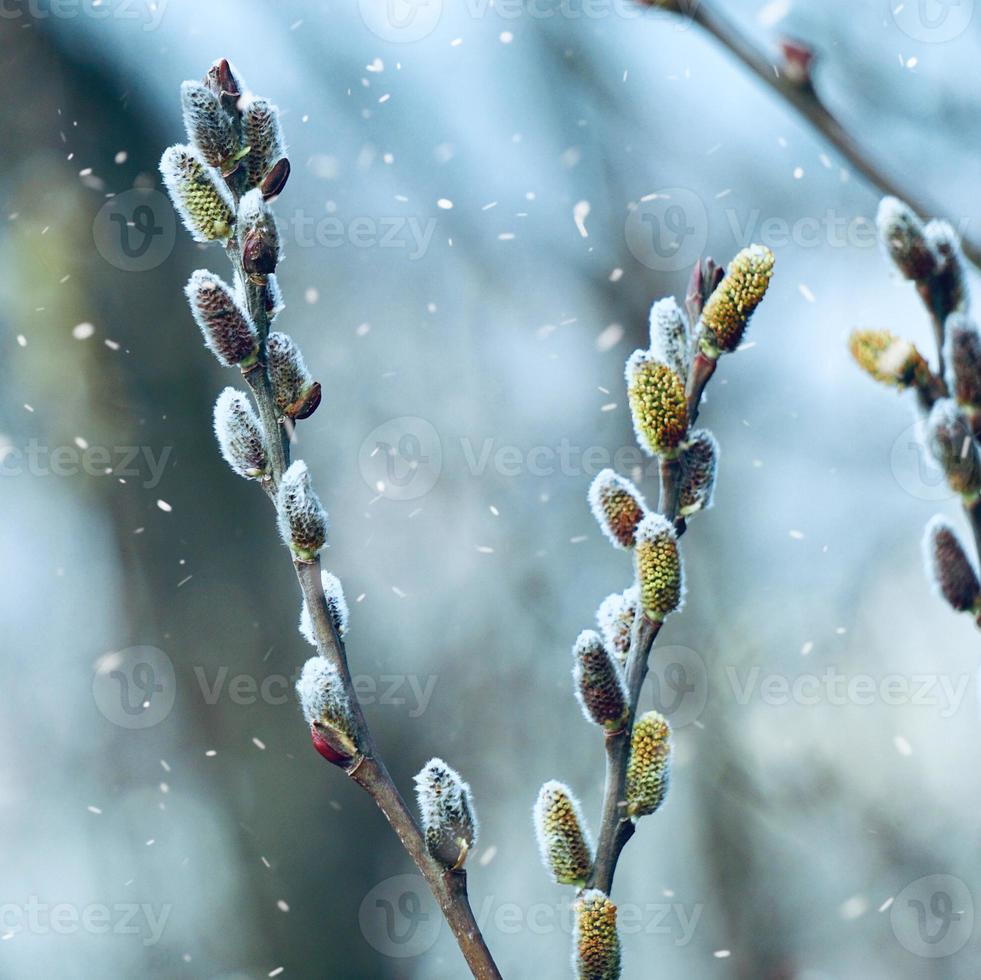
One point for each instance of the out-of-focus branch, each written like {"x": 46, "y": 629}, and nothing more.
{"x": 795, "y": 87}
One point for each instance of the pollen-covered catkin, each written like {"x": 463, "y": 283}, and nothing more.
{"x": 648, "y": 769}
{"x": 302, "y": 518}
{"x": 904, "y": 238}
{"x": 615, "y": 618}
{"x": 658, "y": 405}
{"x": 949, "y": 569}
{"x": 198, "y": 193}
{"x": 449, "y": 819}
{"x": 728, "y": 310}
{"x": 699, "y": 466}
{"x": 561, "y": 832}
{"x": 617, "y": 506}
{"x": 658, "y": 564}
{"x": 596, "y": 945}
{"x": 228, "y": 330}
{"x": 599, "y": 682}
{"x": 327, "y": 710}
{"x": 887, "y": 358}
{"x": 336, "y": 606}
{"x": 240, "y": 435}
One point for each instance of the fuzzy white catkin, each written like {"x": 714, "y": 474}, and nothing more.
{"x": 209, "y": 127}
{"x": 336, "y": 606}
{"x": 302, "y": 518}
{"x": 321, "y": 691}
{"x": 449, "y": 818}
{"x": 669, "y": 336}
{"x": 240, "y": 435}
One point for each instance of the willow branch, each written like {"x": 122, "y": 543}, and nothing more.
{"x": 803, "y": 97}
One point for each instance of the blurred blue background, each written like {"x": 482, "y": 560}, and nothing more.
{"x": 485, "y": 201}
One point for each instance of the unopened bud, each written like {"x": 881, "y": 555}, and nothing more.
{"x": 274, "y": 183}
{"x": 903, "y": 236}
{"x": 949, "y": 569}
{"x": 327, "y": 709}
{"x": 658, "y": 564}
{"x": 599, "y": 682}
{"x": 209, "y": 127}
{"x": 888, "y": 358}
{"x": 596, "y": 953}
{"x": 649, "y": 766}
{"x": 561, "y": 831}
{"x": 258, "y": 235}
{"x": 728, "y": 310}
{"x": 240, "y": 436}
{"x": 297, "y": 395}
{"x": 261, "y": 133}
{"x": 699, "y": 465}
{"x": 670, "y": 342}
{"x": 658, "y": 404}
{"x": 615, "y": 618}
{"x": 225, "y": 82}
{"x": 449, "y": 819}
{"x": 617, "y": 506}
{"x": 336, "y": 607}
{"x": 948, "y": 286}
{"x": 198, "y": 193}
{"x": 302, "y": 518}
{"x": 952, "y": 444}
{"x": 963, "y": 356}
{"x": 228, "y": 331}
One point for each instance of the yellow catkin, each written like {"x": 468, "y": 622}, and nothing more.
{"x": 597, "y": 945}
{"x": 728, "y": 309}
{"x": 560, "y": 828}
{"x": 657, "y": 404}
{"x": 658, "y": 566}
{"x": 886, "y": 357}
{"x": 648, "y": 769}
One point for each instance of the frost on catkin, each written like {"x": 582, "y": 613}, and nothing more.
{"x": 258, "y": 236}
{"x": 962, "y": 353}
{"x": 263, "y": 136}
{"x": 728, "y": 310}
{"x": 904, "y": 238}
{"x": 209, "y": 127}
{"x": 294, "y": 390}
{"x": 198, "y": 193}
{"x": 670, "y": 342}
{"x": 228, "y": 331}
{"x": 658, "y": 404}
{"x": 336, "y": 606}
{"x": 449, "y": 819}
{"x": 887, "y": 358}
{"x": 599, "y": 682}
{"x": 561, "y": 832}
{"x": 617, "y": 506}
{"x": 615, "y": 618}
{"x": 649, "y": 766}
{"x": 949, "y": 569}
{"x": 596, "y": 945}
{"x": 302, "y": 518}
{"x": 327, "y": 710}
{"x": 658, "y": 565}
{"x": 952, "y": 445}
{"x": 240, "y": 435}
{"x": 699, "y": 465}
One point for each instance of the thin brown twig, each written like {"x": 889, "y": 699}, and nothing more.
{"x": 803, "y": 96}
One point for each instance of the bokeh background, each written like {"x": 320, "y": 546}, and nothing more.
{"x": 485, "y": 201}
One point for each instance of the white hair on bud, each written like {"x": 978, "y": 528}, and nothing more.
{"x": 562, "y": 833}
{"x": 255, "y": 215}
{"x": 598, "y": 681}
{"x": 198, "y": 192}
{"x": 615, "y": 618}
{"x": 240, "y": 435}
{"x": 670, "y": 341}
{"x": 449, "y": 818}
{"x": 264, "y": 137}
{"x": 951, "y": 574}
{"x": 302, "y": 518}
{"x": 336, "y": 606}
{"x": 208, "y": 126}
{"x": 321, "y": 692}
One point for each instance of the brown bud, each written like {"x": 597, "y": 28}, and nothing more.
{"x": 275, "y": 180}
